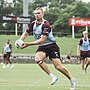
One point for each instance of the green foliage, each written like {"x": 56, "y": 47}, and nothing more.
{"x": 5, "y": 8}
{"x": 50, "y": 13}
{"x": 78, "y": 35}
{"x": 18, "y": 9}
{"x": 81, "y": 9}
{"x": 40, "y": 3}
{"x": 61, "y": 23}
{"x": 10, "y": 26}
{"x": 77, "y": 9}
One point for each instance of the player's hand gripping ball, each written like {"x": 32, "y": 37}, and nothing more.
{"x": 19, "y": 43}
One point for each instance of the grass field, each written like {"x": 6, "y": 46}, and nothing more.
{"x": 31, "y": 77}
{"x": 66, "y": 44}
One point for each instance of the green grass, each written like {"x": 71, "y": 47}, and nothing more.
{"x": 31, "y": 77}
{"x": 66, "y": 44}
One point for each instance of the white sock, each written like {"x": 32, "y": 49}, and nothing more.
{"x": 51, "y": 75}
{"x": 71, "y": 78}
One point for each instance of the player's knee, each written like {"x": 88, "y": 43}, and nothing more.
{"x": 39, "y": 62}
{"x": 88, "y": 61}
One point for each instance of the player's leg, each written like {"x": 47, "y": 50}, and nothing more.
{"x": 11, "y": 64}
{"x": 9, "y": 61}
{"x": 82, "y": 65}
{"x": 83, "y": 55}
{"x": 54, "y": 55}
{"x": 88, "y": 61}
{"x": 59, "y": 67}
{"x": 87, "y": 64}
{"x": 39, "y": 57}
{"x": 4, "y": 60}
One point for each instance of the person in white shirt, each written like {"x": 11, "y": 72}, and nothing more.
{"x": 7, "y": 52}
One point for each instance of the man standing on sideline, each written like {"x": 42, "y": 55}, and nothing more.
{"x": 7, "y": 52}
{"x": 42, "y": 33}
{"x": 83, "y": 50}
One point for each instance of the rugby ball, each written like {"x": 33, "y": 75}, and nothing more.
{"x": 19, "y": 43}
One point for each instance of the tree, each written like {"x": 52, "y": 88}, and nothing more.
{"x": 61, "y": 4}
{"x": 78, "y": 9}
{"x": 5, "y": 9}
{"x": 52, "y": 14}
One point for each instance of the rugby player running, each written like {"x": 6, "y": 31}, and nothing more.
{"x": 42, "y": 33}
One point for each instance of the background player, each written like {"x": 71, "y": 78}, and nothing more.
{"x": 68, "y": 57}
{"x": 83, "y": 50}
{"x": 7, "y": 52}
{"x": 47, "y": 46}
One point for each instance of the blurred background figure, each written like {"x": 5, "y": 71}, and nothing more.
{"x": 7, "y": 53}
{"x": 83, "y": 50}
{"x": 68, "y": 57}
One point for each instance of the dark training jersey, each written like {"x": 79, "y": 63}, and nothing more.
{"x": 41, "y": 29}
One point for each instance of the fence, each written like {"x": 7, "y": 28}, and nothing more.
{"x": 12, "y": 32}
{"x": 9, "y": 32}
{"x": 30, "y": 58}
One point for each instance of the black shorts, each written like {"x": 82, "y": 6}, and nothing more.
{"x": 51, "y": 50}
{"x": 84, "y": 54}
{"x": 7, "y": 55}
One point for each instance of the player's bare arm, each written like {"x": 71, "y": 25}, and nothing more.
{"x": 39, "y": 41}
{"x": 78, "y": 50}
{"x": 24, "y": 35}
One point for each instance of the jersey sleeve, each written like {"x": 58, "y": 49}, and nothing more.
{"x": 30, "y": 28}
{"x": 89, "y": 41}
{"x": 10, "y": 45}
{"x": 80, "y": 42}
{"x": 46, "y": 28}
